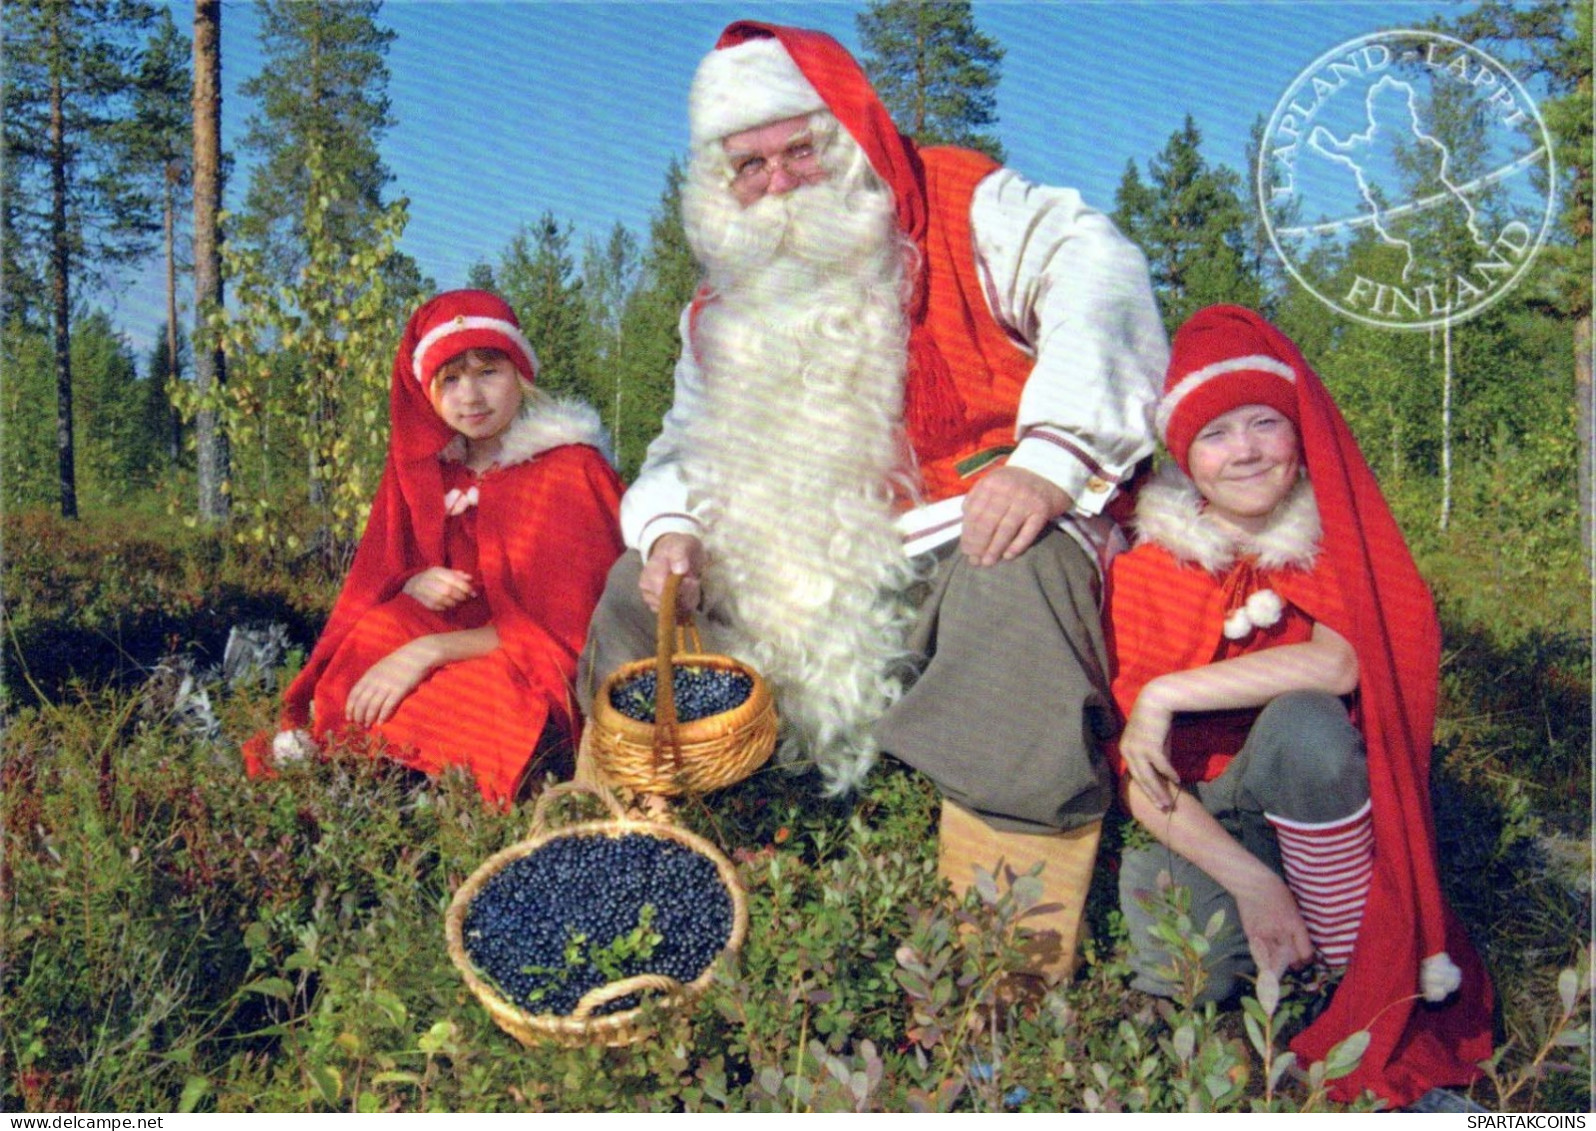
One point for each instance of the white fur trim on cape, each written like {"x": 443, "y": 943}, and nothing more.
{"x": 1170, "y": 512}
{"x": 749, "y": 84}
{"x": 507, "y": 330}
{"x": 552, "y": 424}
{"x": 1197, "y": 378}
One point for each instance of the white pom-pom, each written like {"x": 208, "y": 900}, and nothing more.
{"x": 1237, "y": 624}
{"x": 1264, "y": 608}
{"x": 292, "y": 746}
{"x": 1439, "y": 977}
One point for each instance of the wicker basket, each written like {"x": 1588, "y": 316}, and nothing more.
{"x": 580, "y": 1027}
{"x": 670, "y": 757}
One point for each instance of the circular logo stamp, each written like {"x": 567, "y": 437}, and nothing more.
{"x": 1406, "y": 179}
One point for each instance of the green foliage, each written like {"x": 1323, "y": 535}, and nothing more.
{"x": 322, "y": 90}
{"x": 119, "y": 451}
{"x": 1188, "y": 219}
{"x": 88, "y": 52}
{"x": 935, "y": 71}
{"x": 650, "y": 316}
{"x": 309, "y": 363}
{"x": 537, "y": 276}
{"x": 194, "y": 940}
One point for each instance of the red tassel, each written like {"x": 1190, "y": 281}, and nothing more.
{"x": 933, "y": 410}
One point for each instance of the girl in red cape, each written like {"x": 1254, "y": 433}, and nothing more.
{"x": 455, "y": 637}
{"x": 1276, "y": 661}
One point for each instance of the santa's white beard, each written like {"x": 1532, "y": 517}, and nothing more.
{"x": 803, "y": 351}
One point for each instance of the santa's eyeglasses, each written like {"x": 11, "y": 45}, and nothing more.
{"x": 799, "y": 159}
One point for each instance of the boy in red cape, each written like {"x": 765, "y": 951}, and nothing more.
{"x": 1270, "y": 587}
{"x": 455, "y": 637}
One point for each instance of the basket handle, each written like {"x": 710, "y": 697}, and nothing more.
{"x": 665, "y": 736}
{"x": 608, "y": 993}
{"x": 548, "y": 796}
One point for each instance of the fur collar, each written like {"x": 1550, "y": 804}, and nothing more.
{"x": 551, "y": 424}
{"x": 1170, "y": 513}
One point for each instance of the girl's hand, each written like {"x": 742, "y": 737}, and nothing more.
{"x": 378, "y": 693}
{"x": 1276, "y": 934}
{"x": 1145, "y": 747}
{"x": 441, "y": 589}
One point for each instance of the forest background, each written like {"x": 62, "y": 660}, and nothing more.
{"x": 165, "y": 482}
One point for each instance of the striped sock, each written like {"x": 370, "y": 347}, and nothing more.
{"x": 1328, "y": 867}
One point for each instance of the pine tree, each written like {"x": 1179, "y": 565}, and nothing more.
{"x": 1188, "y": 219}
{"x": 68, "y": 82}
{"x": 537, "y": 277}
{"x": 159, "y": 147}
{"x": 935, "y": 71}
{"x": 650, "y": 343}
{"x": 609, "y": 273}
{"x": 323, "y": 85}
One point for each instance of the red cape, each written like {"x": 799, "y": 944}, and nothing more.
{"x": 546, "y": 531}
{"x": 1392, "y": 625}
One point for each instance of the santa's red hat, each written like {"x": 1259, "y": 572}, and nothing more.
{"x": 744, "y": 85}
{"x": 1217, "y": 363}
{"x": 456, "y": 321}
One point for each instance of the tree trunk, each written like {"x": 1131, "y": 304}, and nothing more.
{"x": 1587, "y": 430}
{"x": 210, "y": 364}
{"x": 1446, "y": 422}
{"x": 174, "y": 425}
{"x": 61, "y": 290}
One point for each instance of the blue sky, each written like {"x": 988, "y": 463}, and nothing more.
{"x": 507, "y": 110}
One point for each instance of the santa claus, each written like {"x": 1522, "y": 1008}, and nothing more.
{"x": 910, "y": 385}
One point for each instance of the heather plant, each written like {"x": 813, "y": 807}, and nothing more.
{"x": 179, "y": 937}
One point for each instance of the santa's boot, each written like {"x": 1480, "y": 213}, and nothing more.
{"x": 966, "y": 842}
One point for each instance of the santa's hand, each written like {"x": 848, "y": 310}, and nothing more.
{"x": 1276, "y": 934}
{"x": 378, "y": 693}
{"x": 441, "y": 589}
{"x": 1005, "y": 511}
{"x": 1144, "y": 747}
{"x": 680, "y": 554}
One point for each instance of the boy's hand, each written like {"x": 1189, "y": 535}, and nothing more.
{"x": 1276, "y": 934}
{"x": 441, "y": 589}
{"x": 378, "y": 693}
{"x": 1144, "y": 746}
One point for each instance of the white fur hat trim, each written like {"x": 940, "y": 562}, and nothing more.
{"x": 1439, "y": 977}
{"x": 1191, "y": 382}
{"x": 749, "y": 84}
{"x": 1261, "y": 610}
{"x": 472, "y": 322}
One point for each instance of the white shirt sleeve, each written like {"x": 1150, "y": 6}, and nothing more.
{"x": 1074, "y": 293}
{"x": 656, "y": 502}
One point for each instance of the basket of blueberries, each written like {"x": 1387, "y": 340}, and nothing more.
{"x": 682, "y": 721}
{"x": 590, "y": 933}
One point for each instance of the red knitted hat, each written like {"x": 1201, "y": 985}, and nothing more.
{"x": 1220, "y": 362}
{"x": 457, "y": 321}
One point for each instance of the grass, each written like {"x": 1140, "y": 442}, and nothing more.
{"x": 177, "y": 937}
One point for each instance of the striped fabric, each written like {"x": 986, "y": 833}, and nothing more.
{"x": 1327, "y": 868}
